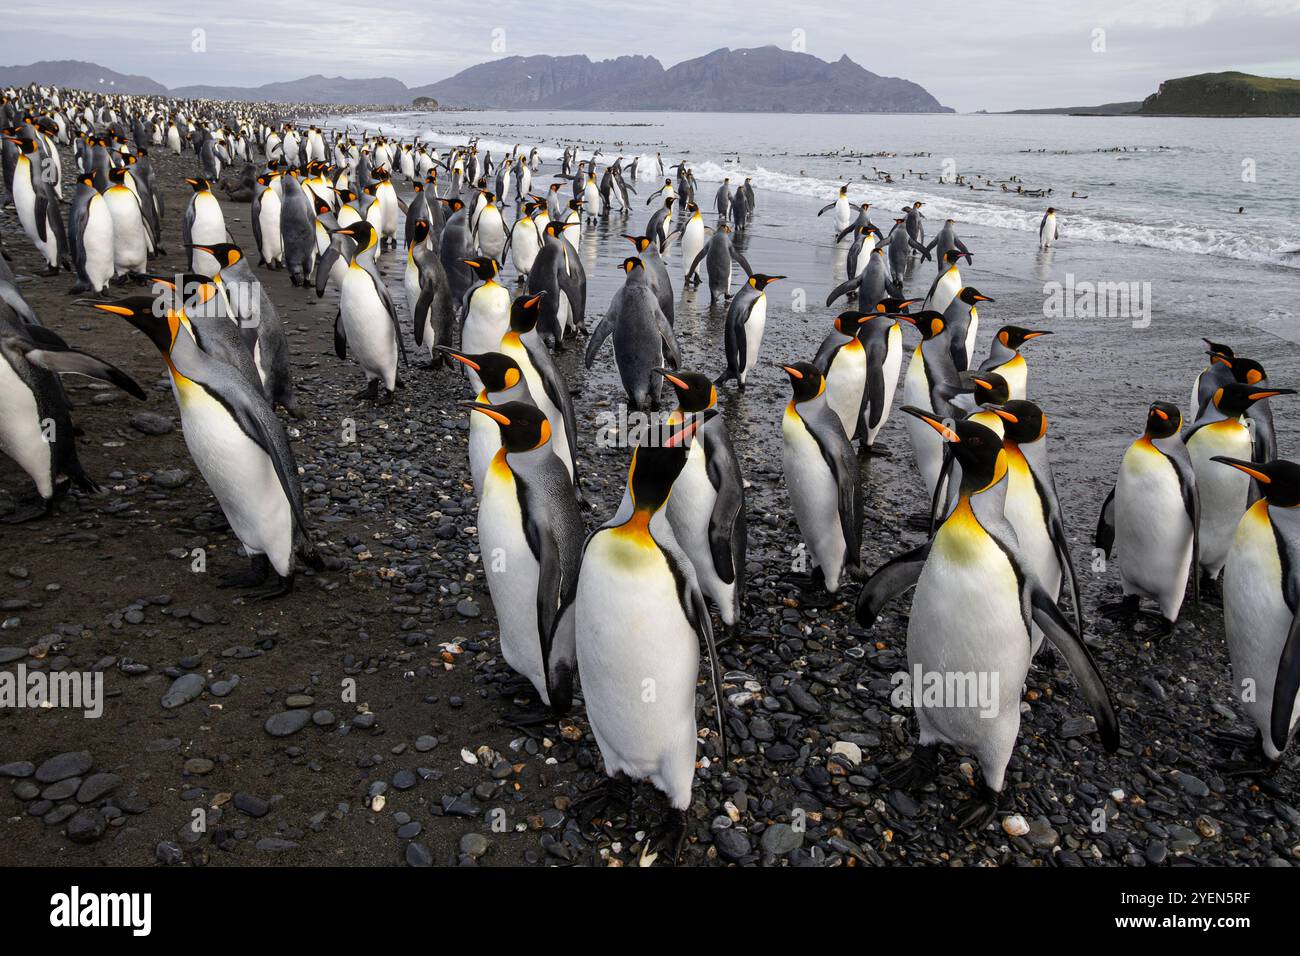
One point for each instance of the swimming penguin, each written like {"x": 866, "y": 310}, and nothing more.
{"x": 657, "y": 270}
{"x": 1048, "y": 230}
{"x": 37, "y": 205}
{"x": 971, "y": 613}
{"x": 558, "y": 275}
{"x": 523, "y": 343}
{"x": 872, "y": 285}
{"x": 90, "y": 237}
{"x": 259, "y": 323}
{"x": 1033, "y": 507}
{"x": 1005, "y": 358}
{"x": 486, "y": 315}
{"x": 821, "y": 473}
{"x": 531, "y": 536}
{"x": 367, "y": 321}
{"x": 1225, "y": 492}
{"x": 946, "y": 240}
{"x": 240, "y": 448}
{"x": 746, "y": 320}
{"x": 643, "y": 339}
{"x": 639, "y": 618}
{"x": 36, "y": 429}
{"x": 1153, "y": 514}
{"x": 707, "y": 507}
{"x": 718, "y": 255}
{"x": 428, "y": 293}
{"x": 946, "y": 284}
{"x": 1261, "y": 608}
{"x": 962, "y": 320}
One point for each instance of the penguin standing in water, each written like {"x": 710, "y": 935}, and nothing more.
{"x": 692, "y": 232}
{"x": 1225, "y": 492}
{"x": 946, "y": 284}
{"x": 1261, "y": 609}
{"x": 945, "y": 240}
{"x": 531, "y": 535}
{"x": 643, "y": 339}
{"x": 1033, "y": 507}
{"x": 367, "y": 321}
{"x": 916, "y": 227}
{"x": 660, "y": 225}
{"x": 900, "y": 245}
{"x": 547, "y": 388}
{"x": 1048, "y": 230}
{"x": 639, "y": 619}
{"x": 843, "y": 210}
{"x": 240, "y": 448}
{"x": 865, "y": 239}
{"x": 1005, "y": 358}
{"x": 90, "y": 237}
{"x": 974, "y": 603}
{"x": 37, "y": 204}
{"x": 822, "y": 475}
{"x": 746, "y": 320}
{"x": 36, "y": 429}
{"x": 707, "y": 507}
{"x": 1153, "y": 514}
{"x": 718, "y": 254}
{"x": 558, "y": 275}
{"x": 657, "y": 270}
{"x": 872, "y": 285}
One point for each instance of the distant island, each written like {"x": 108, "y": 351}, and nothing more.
{"x": 1206, "y": 94}
{"x": 762, "y": 80}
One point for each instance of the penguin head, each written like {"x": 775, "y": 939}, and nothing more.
{"x": 655, "y": 467}
{"x": 989, "y": 388}
{"x": 952, "y": 256}
{"x": 1278, "y": 480}
{"x": 199, "y": 185}
{"x": 454, "y": 204}
{"x": 1164, "y": 420}
{"x": 632, "y": 266}
{"x": 226, "y": 253}
{"x": 485, "y": 268}
{"x": 894, "y": 306}
{"x": 1051, "y": 210}
{"x": 525, "y": 311}
{"x": 806, "y": 380}
{"x": 1023, "y": 422}
{"x": 847, "y": 323}
{"x": 496, "y": 371}
{"x": 695, "y": 392}
{"x": 142, "y": 311}
{"x": 642, "y": 243}
{"x": 928, "y": 322}
{"x": 362, "y": 233}
{"x": 761, "y": 282}
{"x": 970, "y": 295}
{"x": 556, "y": 229}
{"x": 1013, "y": 336}
{"x": 1233, "y": 400}
{"x": 523, "y": 426}
{"x": 977, "y": 447}
{"x": 1216, "y": 348}
{"x": 420, "y": 231}
{"x": 1244, "y": 370}
{"x": 25, "y": 144}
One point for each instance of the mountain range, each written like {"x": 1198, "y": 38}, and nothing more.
{"x": 765, "y": 79}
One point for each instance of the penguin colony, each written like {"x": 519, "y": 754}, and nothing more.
{"x": 1210, "y": 503}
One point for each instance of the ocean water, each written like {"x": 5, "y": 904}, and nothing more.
{"x": 1166, "y": 183}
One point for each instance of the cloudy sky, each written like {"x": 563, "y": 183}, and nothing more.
{"x": 985, "y": 54}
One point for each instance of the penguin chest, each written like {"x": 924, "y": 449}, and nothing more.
{"x": 814, "y": 496}
{"x": 240, "y": 474}
{"x": 209, "y": 224}
{"x": 753, "y": 332}
{"x": 1016, "y": 373}
{"x": 1153, "y": 531}
{"x": 488, "y": 319}
{"x": 97, "y": 242}
{"x": 129, "y": 249}
{"x": 692, "y": 240}
{"x": 639, "y": 660}
{"x": 689, "y": 509}
{"x": 368, "y": 327}
{"x": 846, "y": 380}
{"x": 1024, "y": 510}
{"x": 945, "y": 290}
{"x": 511, "y": 571}
{"x": 1255, "y": 615}
{"x": 889, "y": 370}
{"x": 1224, "y": 491}
{"x": 21, "y": 437}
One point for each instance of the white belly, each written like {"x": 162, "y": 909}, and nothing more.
{"x": 814, "y": 496}
{"x": 1153, "y": 532}
{"x": 269, "y": 221}
{"x": 927, "y": 446}
{"x": 368, "y": 328}
{"x": 754, "y": 327}
{"x": 97, "y": 243}
{"x": 892, "y": 365}
{"x": 25, "y": 201}
{"x": 130, "y": 246}
{"x": 488, "y": 320}
{"x": 689, "y": 509}
{"x": 1224, "y": 491}
{"x": 846, "y": 380}
{"x": 945, "y": 291}
{"x": 20, "y": 430}
{"x": 209, "y": 229}
{"x": 639, "y": 660}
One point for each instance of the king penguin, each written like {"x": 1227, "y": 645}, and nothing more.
{"x": 1005, "y": 359}
{"x": 746, "y": 320}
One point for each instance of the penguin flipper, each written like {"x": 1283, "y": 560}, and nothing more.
{"x": 938, "y": 500}
{"x": 698, "y": 259}
{"x": 604, "y": 328}
{"x": 74, "y": 362}
{"x": 340, "y": 337}
{"x": 874, "y": 393}
{"x": 1057, "y": 629}
{"x": 1056, "y": 528}
{"x": 724, "y": 474}
{"x": 888, "y": 582}
{"x": 11, "y": 297}
{"x": 844, "y": 288}
{"x": 1286, "y": 685}
{"x": 323, "y": 267}
{"x": 740, "y": 257}
{"x": 827, "y": 208}
{"x": 671, "y": 351}
{"x": 1105, "y": 536}
{"x": 838, "y": 453}
{"x": 42, "y": 215}
{"x": 419, "y": 313}
{"x": 697, "y": 613}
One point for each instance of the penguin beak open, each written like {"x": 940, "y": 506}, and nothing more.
{"x": 947, "y": 433}
{"x": 1245, "y": 466}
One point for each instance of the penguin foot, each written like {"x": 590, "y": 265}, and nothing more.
{"x": 980, "y": 811}
{"x": 671, "y": 837}
{"x": 1258, "y": 766}
{"x": 40, "y": 508}
{"x": 371, "y": 391}
{"x": 1211, "y": 589}
{"x": 280, "y": 588}
{"x": 878, "y": 450}
{"x": 259, "y": 567}
{"x": 526, "y": 718}
{"x": 611, "y": 797}
{"x": 914, "y": 772}
{"x": 49, "y": 271}
{"x": 1121, "y": 611}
